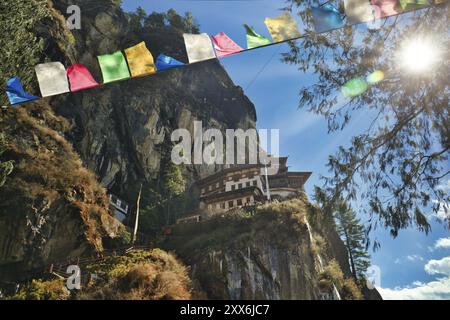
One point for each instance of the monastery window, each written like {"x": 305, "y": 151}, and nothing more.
{"x": 255, "y": 183}
{"x": 239, "y": 202}
{"x": 222, "y": 205}
{"x": 230, "y": 204}
{"x": 233, "y": 187}
{"x": 240, "y": 186}
{"x": 249, "y": 200}
{"x": 248, "y": 184}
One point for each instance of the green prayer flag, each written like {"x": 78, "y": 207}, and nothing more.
{"x": 413, "y": 4}
{"x": 114, "y": 67}
{"x": 255, "y": 40}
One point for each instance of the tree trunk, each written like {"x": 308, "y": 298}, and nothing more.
{"x": 168, "y": 212}
{"x": 350, "y": 254}
{"x": 136, "y": 223}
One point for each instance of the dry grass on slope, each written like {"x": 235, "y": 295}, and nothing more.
{"x": 48, "y": 173}
{"x": 139, "y": 275}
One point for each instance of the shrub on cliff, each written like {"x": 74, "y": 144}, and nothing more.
{"x": 333, "y": 275}
{"x": 277, "y": 220}
{"x": 6, "y": 167}
{"x": 139, "y": 275}
{"x": 318, "y": 244}
{"x": 140, "y": 21}
{"x": 350, "y": 291}
{"x": 142, "y": 282}
{"x": 43, "y": 290}
{"x": 20, "y": 48}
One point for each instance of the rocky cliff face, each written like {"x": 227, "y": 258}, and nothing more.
{"x": 259, "y": 270}
{"x": 122, "y": 131}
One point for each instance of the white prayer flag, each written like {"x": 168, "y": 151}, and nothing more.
{"x": 198, "y": 47}
{"x": 358, "y": 11}
{"x": 52, "y": 78}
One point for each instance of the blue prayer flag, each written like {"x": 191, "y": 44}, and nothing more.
{"x": 16, "y": 93}
{"x": 164, "y": 63}
{"x": 327, "y": 17}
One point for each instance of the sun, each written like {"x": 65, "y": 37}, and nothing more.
{"x": 418, "y": 55}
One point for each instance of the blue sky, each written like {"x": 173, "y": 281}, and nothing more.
{"x": 412, "y": 266}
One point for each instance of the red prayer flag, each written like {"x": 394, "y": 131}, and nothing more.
{"x": 80, "y": 78}
{"x": 386, "y": 8}
{"x": 224, "y": 46}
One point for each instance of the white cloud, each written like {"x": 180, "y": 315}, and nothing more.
{"x": 445, "y": 186}
{"x": 408, "y": 258}
{"x": 438, "y": 289}
{"x": 435, "y": 290}
{"x": 414, "y": 257}
{"x": 442, "y": 243}
{"x": 438, "y": 266}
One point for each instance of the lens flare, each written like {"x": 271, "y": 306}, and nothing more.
{"x": 375, "y": 77}
{"x": 354, "y": 87}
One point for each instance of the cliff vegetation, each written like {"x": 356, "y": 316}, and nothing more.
{"x": 138, "y": 275}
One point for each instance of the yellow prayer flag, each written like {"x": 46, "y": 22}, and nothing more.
{"x": 282, "y": 28}
{"x": 140, "y": 60}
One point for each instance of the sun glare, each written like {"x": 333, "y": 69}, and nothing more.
{"x": 418, "y": 55}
